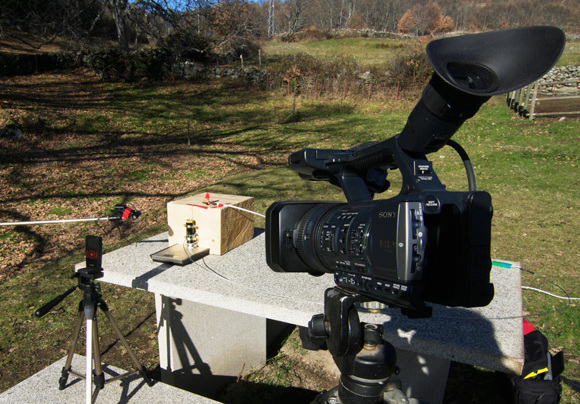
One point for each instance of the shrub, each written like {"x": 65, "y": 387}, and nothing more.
{"x": 305, "y": 63}
{"x": 288, "y": 37}
{"x": 410, "y": 68}
{"x": 313, "y": 34}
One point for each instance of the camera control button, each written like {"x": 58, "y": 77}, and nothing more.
{"x": 288, "y": 238}
{"x": 432, "y": 204}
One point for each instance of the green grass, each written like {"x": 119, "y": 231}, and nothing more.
{"x": 368, "y": 51}
{"x": 240, "y": 140}
{"x": 571, "y": 55}
{"x": 59, "y": 211}
{"x": 531, "y": 170}
{"x": 377, "y": 51}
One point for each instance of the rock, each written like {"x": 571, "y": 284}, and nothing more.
{"x": 366, "y": 76}
{"x": 12, "y": 131}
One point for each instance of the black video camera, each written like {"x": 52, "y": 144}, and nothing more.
{"x": 426, "y": 244}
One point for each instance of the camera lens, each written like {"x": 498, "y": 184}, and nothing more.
{"x": 314, "y": 236}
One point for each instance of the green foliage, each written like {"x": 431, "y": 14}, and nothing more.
{"x": 571, "y": 55}
{"x": 406, "y": 69}
{"x": 6, "y": 235}
{"x": 138, "y": 175}
{"x": 302, "y": 61}
{"x": 411, "y": 68}
{"x": 310, "y": 34}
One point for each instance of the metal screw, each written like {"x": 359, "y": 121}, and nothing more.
{"x": 332, "y": 400}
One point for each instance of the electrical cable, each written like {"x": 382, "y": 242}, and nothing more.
{"x": 121, "y": 210}
{"x": 507, "y": 265}
{"x": 209, "y": 205}
{"x": 466, "y": 162}
{"x": 497, "y": 263}
{"x": 245, "y": 210}
{"x": 469, "y": 170}
{"x": 510, "y": 266}
{"x": 472, "y": 187}
{"x": 549, "y": 294}
{"x": 567, "y": 297}
{"x": 57, "y": 221}
{"x": 233, "y": 281}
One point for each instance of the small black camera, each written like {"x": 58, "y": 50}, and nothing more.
{"x": 93, "y": 259}
{"x": 426, "y": 244}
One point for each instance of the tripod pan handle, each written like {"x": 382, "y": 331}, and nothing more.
{"x": 48, "y": 306}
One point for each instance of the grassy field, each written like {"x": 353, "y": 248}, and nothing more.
{"x": 378, "y": 51}
{"x": 90, "y": 144}
{"x": 368, "y": 51}
{"x": 571, "y": 54}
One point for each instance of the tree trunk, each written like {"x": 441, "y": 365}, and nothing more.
{"x": 118, "y": 8}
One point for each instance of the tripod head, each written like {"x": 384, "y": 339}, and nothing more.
{"x": 86, "y": 283}
{"x": 86, "y": 276}
{"x": 367, "y": 362}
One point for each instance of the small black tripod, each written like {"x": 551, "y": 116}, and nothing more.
{"x": 92, "y": 300}
{"x": 367, "y": 362}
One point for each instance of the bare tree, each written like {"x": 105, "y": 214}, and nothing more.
{"x": 271, "y": 20}
{"x": 45, "y": 21}
{"x": 292, "y": 15}
{"x": 118, "y": 9}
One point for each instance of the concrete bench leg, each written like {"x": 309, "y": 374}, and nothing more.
{"x": 203, "y": 348}
{"x": 424, "y": 377}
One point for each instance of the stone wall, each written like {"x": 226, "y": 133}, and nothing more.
{"x": 195, "y": 71}
{"x": 559, "y": 74}
{"x": 17, "y": 64}
{"x": 154, "y": 64}
{"x": 159, "y": 64}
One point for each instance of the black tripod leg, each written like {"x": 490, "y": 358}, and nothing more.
{"x": 140, "y": 368}
{"x": 67, "y": 366}
{"x": 99, "y": 377}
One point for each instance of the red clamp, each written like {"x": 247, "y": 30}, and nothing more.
{"x": 126, "y": 213}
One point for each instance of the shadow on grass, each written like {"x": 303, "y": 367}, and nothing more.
{"x": 245, "y": 392}
{"x": 255, "y": 393}
{"x": 469, "y": 384}
{"x": 78, "y": 114}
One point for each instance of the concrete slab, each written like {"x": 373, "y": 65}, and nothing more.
{"x": 241, "y": 281}
{"x": 424, "y": 377}
{"x": 42, "y": 388}
{"x": 203, "y": 348}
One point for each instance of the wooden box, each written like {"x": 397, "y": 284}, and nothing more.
{"x": 220, "y": 228}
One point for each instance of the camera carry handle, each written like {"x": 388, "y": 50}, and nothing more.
{"x": 367, "y": 362}
{"x": 362, "y": 171}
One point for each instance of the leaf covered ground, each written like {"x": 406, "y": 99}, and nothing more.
{"x": 89, "y": 145}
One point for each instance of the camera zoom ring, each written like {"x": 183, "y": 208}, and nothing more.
{"x": 307, "y": 232}
{"x": 304, "y": 221}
